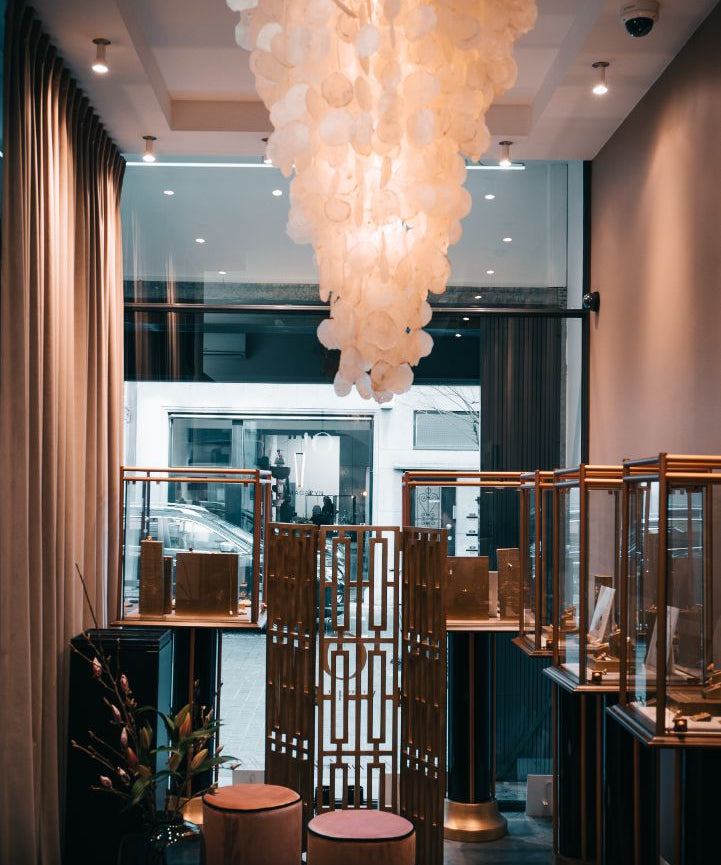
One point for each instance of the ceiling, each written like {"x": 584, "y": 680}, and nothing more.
{"x": 176, "y": 73}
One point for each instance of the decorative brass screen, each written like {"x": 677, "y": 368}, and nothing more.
{"x": 290, "y": 561}
{"x": 357, "y": 743}
{"x": 423, "y": 695}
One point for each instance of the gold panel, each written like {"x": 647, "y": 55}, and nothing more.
{"x": 467, "y": 588}
{"x": 509, "y": 582}
{"x": 206, "y": 584}
{"x": 357, "y": 741}
{"x": 423, "y": 695}
{"x": 290, "y": 575}
{"x": 152, "y": 570}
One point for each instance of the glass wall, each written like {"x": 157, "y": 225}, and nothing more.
{"x": 224, "y": 369}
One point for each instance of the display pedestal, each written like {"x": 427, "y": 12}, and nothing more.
{"x": 471, "y": 812}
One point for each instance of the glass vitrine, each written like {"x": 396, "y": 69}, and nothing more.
{"x": 191, "y": 545}
{"x": 587, "y": 559}
{"x": 670, "y": 690}
{"x": 480, "y": 511}
{"x": 535, "y": 626}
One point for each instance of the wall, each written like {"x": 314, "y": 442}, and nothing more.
{"x": 148, "y": 405}
{"x": 656, "y": 260}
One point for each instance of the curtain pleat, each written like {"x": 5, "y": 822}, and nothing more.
{"x": 60, "y": 418}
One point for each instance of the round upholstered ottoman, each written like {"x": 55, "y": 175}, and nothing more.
{"x": 252, "y": 824}
{"x": 361, "y": 837}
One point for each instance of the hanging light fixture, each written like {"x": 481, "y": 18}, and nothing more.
{"x": 149, "y": 154}
{"x": 375, "y": 107}
{"x": 299, "y": 460}
{"x": 505, "y": 160}
{"x": 100, "y": 64}
{"x": 600, "y": 88}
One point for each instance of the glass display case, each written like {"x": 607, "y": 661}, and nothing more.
{"x": 535, "y": 626}
{"x": 670, "y": 689}
{"x": 587, "y": 510}
{"x": 191, "y": 546}
{"x": 480, "y": 511}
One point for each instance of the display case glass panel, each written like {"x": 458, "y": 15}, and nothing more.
{"x": 192, "y": 545}
{"x": 587, "y": 515}
{"x": 671, "y": 672}
{"x": 481, "y": 513}
{"x": 536, "y": 622}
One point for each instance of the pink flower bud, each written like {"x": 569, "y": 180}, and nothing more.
{"x": 124, "y": 683}
{"x": 116, "y": 712}
{"x": 105, "y": 781}
{"x": 131, "y": 758}
{"x": 124, "y": 737}
{"x": 123, "y": 775}
{"x": 97, "y": 668}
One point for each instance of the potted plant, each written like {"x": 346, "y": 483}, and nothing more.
{"x": 134, "y": 767}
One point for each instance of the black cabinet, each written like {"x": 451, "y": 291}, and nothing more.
{"x": 95, "y": 821}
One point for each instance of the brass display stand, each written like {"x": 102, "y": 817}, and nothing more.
{"x": 480, "y": 603}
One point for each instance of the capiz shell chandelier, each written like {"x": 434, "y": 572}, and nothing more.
{"x": 374, "y": 106}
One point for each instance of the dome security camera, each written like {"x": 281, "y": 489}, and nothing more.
{"x": 639, "y": 17}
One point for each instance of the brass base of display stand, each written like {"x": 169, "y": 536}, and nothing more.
{"x": 473, "y": 822}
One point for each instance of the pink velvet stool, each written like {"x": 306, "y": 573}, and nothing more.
{"x": 361, "y": 837}
{"x": 252, "y": 824}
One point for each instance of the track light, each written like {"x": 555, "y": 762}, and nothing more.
{"x": 149, "y": 155}
{"x": 100, "y": 64}
{"x": 600, "y": 88}
{"x": 505, "y": 160}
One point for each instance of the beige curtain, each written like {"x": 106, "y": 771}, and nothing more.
{"x": 60, "y": 417}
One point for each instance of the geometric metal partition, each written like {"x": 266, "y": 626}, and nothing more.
{"x": 341, "y": 710}
{"x": 357, "y": 695}
{"x": 290, "y": 564}
{"x": 423, "y": 694}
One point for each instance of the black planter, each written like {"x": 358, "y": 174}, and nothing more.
{"x": 175, "y": 843}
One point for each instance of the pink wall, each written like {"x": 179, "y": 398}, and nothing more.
{"x": 655, "y": 370}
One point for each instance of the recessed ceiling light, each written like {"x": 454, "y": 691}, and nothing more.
{"x": 465, "y": 318}
{"x": 168, "y": 192}
{"x": 277, "y": 192}
{"x": 222, "y": 272}
{"x": 489, "y": 196}
{"x": 490, "y": 272}
{"x": 200, "y": 240}
{"x": 479, "y": 297}
{"x": 458, "y": 336}
{"x": 100, "y": 64}
{"x": 507, "y": 239}
{"x": 149, "y": 154}
{"x": 600, "y": 88}
{"x": 505, "y": 160}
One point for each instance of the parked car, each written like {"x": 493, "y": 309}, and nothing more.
{"x": 183, "y": 527}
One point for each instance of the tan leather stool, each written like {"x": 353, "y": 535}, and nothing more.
{"x": 253, "y": 824}
{"x": 359, "y": 837}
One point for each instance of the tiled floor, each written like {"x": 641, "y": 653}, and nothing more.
{"x": 528, "y": 843}
{"x": 243, "y": 710}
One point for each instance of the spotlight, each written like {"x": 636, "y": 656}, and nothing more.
{"x": 168, "y": 192}
{"x": 600, "y": 88}
{"x": 100, "y": 64}
{"x": 149, "y": 155}
{"x": 505, "y": 160}
{"x": 277, "y": 193}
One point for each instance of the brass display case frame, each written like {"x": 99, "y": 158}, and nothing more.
{"x": 587, "y": 478}
{"x": 411, "y": 480}
{"x": 536, "y": 487}
{"x": 670, "y": 472}
{"x": 259, "y": 479}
